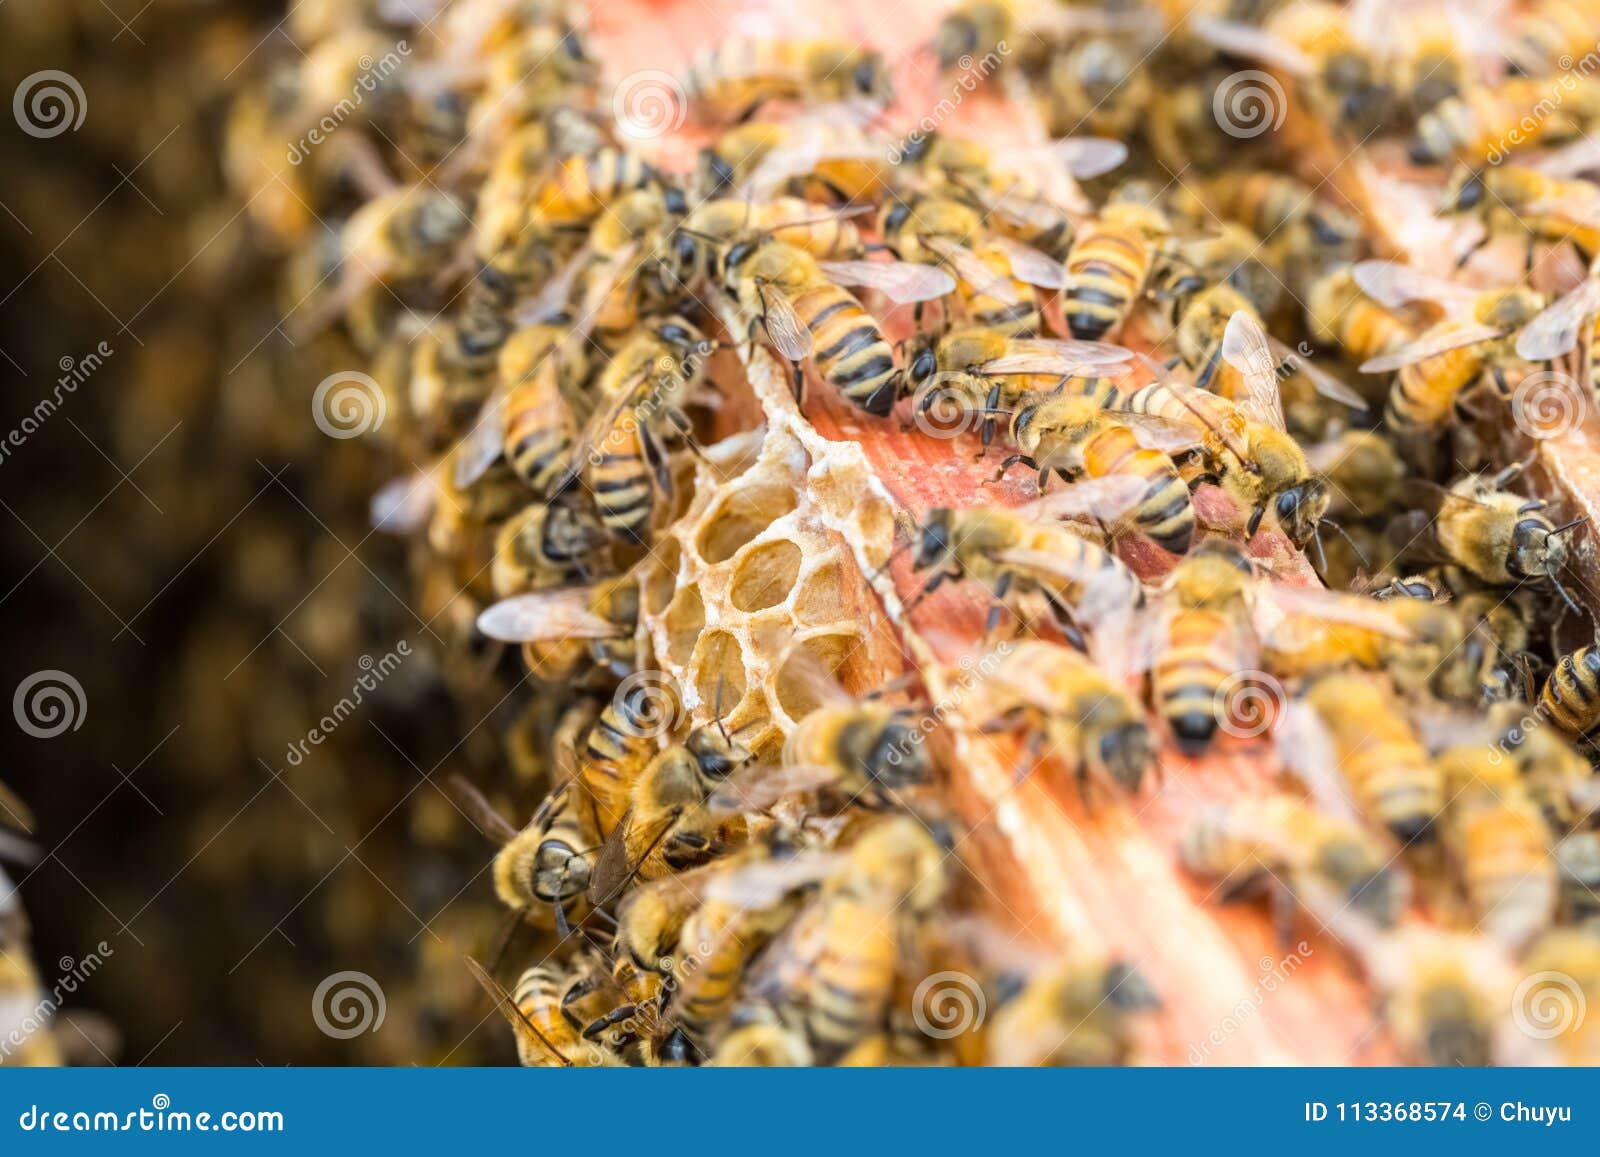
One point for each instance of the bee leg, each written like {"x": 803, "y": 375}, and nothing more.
{"x": 1001, "y": 588}
{"x": 1209, "y": 371}
{"x": 596, "y": 1027}
{"x": 657, "y": 460}
{"x": 1476, "y": 245}
{"x": 799, "y": 384}
{"x": 1012, "y": 461}
{"x": 1255, "y": 521}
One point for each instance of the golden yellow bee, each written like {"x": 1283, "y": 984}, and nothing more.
{"x": 539, "y": 1011}
{"x": 728, "y": 82}
{"x": 577, "y": 635}
{"x": 1078, "y": 1013}
{"x": 546, "y": 545}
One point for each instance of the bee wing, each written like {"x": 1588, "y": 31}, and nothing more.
{"x": 1128, "y": 639}
{"x": 1115, "y": 591}
{"x": 1245, "y": 347}
{"x": 480, "y": 811}
{"x": 971, "y": 269}
{"x": 403, "y": 505}
{"x": 807, "y": 674}
{"x": 759, "y": 788}
{"x": 554, "y": 294}
{"x": 1019, "y": 207}
{"x": 1252, "y": 43}
{"x": 1085, "y": 157}
{"x": 1307, "y": 750}
{"x": 545, "y": 616}
{"x": 1555, "y": 332}
{"x": 789, "y": 335}
{"x": 768, "y": 881}
{"x": 1201, "y": 404}
{"x": 1394, "y": 285}
{"x": 1438, "y": 340}
{"x": 904, "y": 282}
{"x": 526, "y": 1031}
{"x": 1107, "y": 498}
{"x": 1332, "y": 606}
{"x": 1581, "y": 156}
{"x": 1030, "y": 265}
{"x": 1164, "y": 434}
{"x": 1578, "y": 204}
{"x": 482, "y": 445}
{"x": 1323, "y": 382}
{"x": 1046, "y": 356}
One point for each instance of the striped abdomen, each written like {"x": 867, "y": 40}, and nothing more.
{"x": 1106, "y": 271}
{"x": 538, "y": 997}
{"x": 1571, "y": 695}
{"x": 620, "y": 477}
{"x": 1018, "y": 317}
{"x": 848, "y": 347}
{"x": 614, "y": 756}
{"x": 1512, "y": 883}
{"x": 540, "y": 432}
{"x": 1200, "y": 656}
{"x": 1424, "y": 393}
{"x": 585, "y": 185}
{"x": 1164, "y": 513}
{"x": 849, "y": 989}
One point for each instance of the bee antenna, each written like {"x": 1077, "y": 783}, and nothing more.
{"x": 1568, "y": 526}
{"x": 717, "y": 706}
{"x": 1340, "y": 531}
{"x": 1565, "y": 596}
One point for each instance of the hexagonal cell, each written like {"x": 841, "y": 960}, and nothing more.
{"x": 719, "y": 671}
{"x": 764, "y": 575}
{"x": 741, "y": 516}
{"x": 802, "y": 682}
{"x": 821, "y": 595}
{"x": 685, "y": 618}
{"x": 663, "y": 580}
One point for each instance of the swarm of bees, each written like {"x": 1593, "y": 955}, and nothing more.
{"x": 638, "y": 384}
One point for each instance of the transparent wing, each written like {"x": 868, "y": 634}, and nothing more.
{"x": 404, "y": 505}
{"x": 758, "y": 789}
{"x": 760, "y": 884}
{"x": 788, "y": 334}
{"x": 973, "y": 270}
{"x": 1107, "y": 498}
{"x": 1333, "y": 606}
{"x": 1439, "y": 340}
{"x": 1164, "y": 434}
{"x": 545, "y": 616}
{"x": 1323, "y": 382}
{"x": 482, "y": 445}
{"x": 1581, "y": 156}
{"x": 524, "y": 1028}
{"x": 900, "y": 281}
{"x": 1245, "y": 347}
{"x": 1030, "y": 265}
{"x": 1252, "y": 43}
{"x": 1086, "y": 157}
{"x": 554, "y": 294}
{"x": 1555, "y": 332}
{"x": 1394, "y": 285}
{"x": 1045, "y": 356}
{"x": 1307, "y": 749}
{"x": 481, "y": 812}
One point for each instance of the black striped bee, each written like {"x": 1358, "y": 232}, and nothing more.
{"x": 1111, "y": 260}
{"x": 1075, "y": 710}
{"x": 540, "y": 1010}
{"x": 806, "y": 313}
{"x": 1570, "y": 697}
{"x": 1296, "y": 852}
{"x": 984, "y": 369}
{"x": 1072, "y": 1014}
{"x": 546, "y": 545}
{"x": 580, "y": 635}
{"x": 730, "y": 81}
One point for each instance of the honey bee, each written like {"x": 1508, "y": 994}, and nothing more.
{"x": 1207, "y": 640}
{"x": 735, "y": 78}
{"x": 1578, "y": 857}
{"x": 1541, "y": 34}
{"x": 1246, "y": 445}
{"x": 1301, "y": 854}
{"x": 1485, "y": 122}
{"x": 1101, "y": 84}
{"x": 1443, "y": 996}
{"x": 833, "y": 971}
{"x": 575, "y": 636}
{"x": 758, "y": 1038}
{"x": 545, "y": 867}
{"x": 1074, "y": 709}
{"x": 806, "y": 313}
{"x": 1570, "y": 697}
{"x": 1499, "y": 844}
{"x": 1366, "y": 749}
{"x": 1078, "y": 1013}
{"x": 619, "y": 748}
{"x": 1522, "y": 201}
{"x": 989, "y": 370}
{"x": 690, "y": 255}
{"x": 1340, "y": 314}
{"x": 1558, "y": 330}
{"x": 538, "y": 1010}
{"x": 1493, "y": 535}
{"x": 546, "y": 545}
{"x": 1555, "y": 775}
{"x": 582, "y": 187}
{"x": 1365, "y": 476}
{"x": 1072, "y": 435}
{"x": 1109, "y": 264}
{"x": 667, "y": 826}
{"x": 1013, "y": 554}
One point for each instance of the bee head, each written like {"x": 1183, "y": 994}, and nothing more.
{"x": 1300, "y": 508}
{"x": 1127, "y": 752}
{"x": 1465, "y": 191}
{"x": 717, "y": 757}
{"x": 933, "y": 541}
{"x": 719, "y": 172}
{"x": 897, "y": 756}
{"x": 871, "y": 76}
{"x": 561, "y": 872}
{"x": 922, "y": 361}
{"x": 1536, "y": 550}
